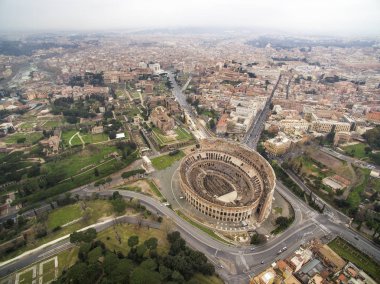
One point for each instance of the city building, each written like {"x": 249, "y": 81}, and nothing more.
{"x": 278, "y": 145}
{"x": 162, "y": 120}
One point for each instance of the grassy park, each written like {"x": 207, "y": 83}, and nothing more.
{"x": 63, "y": 215}
{"x": 94, "y": 138}
{"x": 50, "y": 124}
{"x": 356, "y": 150}
{"x": 122, "y": 232}
{"x": 162, "y": 162}
{"x": 90, "y": 156}
{"x": 180, "y": 135}
{"x": 30, "y": 138}
{"x": 357, "y": 257}
{"x": 66, "y": 135}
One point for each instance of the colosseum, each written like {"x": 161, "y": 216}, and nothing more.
{"x": 227, "y": 181}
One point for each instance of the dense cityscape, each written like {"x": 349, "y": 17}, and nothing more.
{"x": 189, "y": 155}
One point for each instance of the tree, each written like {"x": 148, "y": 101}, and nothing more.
{"x": 87, "y": 236}
{"x": 140, "y": 250}
{"x": 96, "y": 172}
{"x": 177, "y": 277}
{"x": 149, "y": 264}
{"x": 112, "y": 135}
{"x": 164, "y": 272}
{"x": 133, "y": 241}
{"x": 21, "y": 140}
{"x": 367, "y": 150}
{"x": 176, "y": 246}
{"x": 87, "y": 214}
{"x": 373, "y": 137}
{"x": 151, "y": 243}
{"x": 257, "y": 239}
{"x": 143, "y": 276}
{"x": 172, "y": 237}
{"x": 119, "y": 205}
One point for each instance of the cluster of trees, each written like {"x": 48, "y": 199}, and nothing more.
{"x": 287, "y": 181}
{"x": 111, "y": 127}
{"x": 9, "y": 229}
{"x": 15, "y": 165}
{"x": 118, "y": 203}
{"x": 128, "y": 174}
{"x": 83, "y": 237}
{"x": 72, "y": 110}
{"x": 257, "y": 239}
{"x": 333, "y": 79}
{"x": 126, "y": 148}
{"x": 143, "y": 264}
{"x": 282, "y": 224}
{"x": 373, "y": 137}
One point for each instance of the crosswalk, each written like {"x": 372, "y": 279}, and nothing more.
{"x": 227, "y": 227}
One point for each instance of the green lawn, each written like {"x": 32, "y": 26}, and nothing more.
{"x": 154, "y": 189}
{"x": 50, "y": 265}
{"x": 356, "y": 150}
{"x": 63, "y": 215}
{"x": 354, "y": 197}
{"x": 75, "y": 141}
{"x": 27, "y": 125}
{"x": 67, "y": 258}
{"x": 86, "y": 177}
{"x": 309, "y": 166}
{"x": 66, "y": 135}
{"x": 162, "y": 162}
{"x": 205, "y": 229}
{"x": 51, "y": 124}
{"x": 183, "y": 134}
{"x": 94, "y": 138}
{"x": 350, "y": 253}
{"x": 26, "y": 277}
{"x": 71, "y": 165}
{"x": 124, "y": 231}
{"x": 162, "y": 137}
{"x": 48, "y": 276}
{"x": 31, "y": 138}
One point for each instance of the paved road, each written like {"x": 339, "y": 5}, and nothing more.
{"x": 200, "y": 131}
{"x": 354, "y": 161}
{"x": 254, "y": 132}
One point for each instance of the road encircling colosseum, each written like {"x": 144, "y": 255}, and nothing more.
{"x": 227, "y": 181}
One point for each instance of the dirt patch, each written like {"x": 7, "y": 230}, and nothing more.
{"x": 143, "y": 185}
{"x": 343, "y": 169}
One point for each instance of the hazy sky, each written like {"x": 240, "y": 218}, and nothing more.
{"x": 342, "y": 17}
